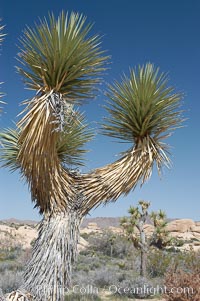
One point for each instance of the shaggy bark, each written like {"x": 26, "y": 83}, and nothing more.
{"x": 48, "y": 272}
{"x": 144, "y": 250}
{"x": 65, "y": 195}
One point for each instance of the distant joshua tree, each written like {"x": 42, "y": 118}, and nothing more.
{"x": 161, "y": 236}
{"x": 138, "y": 219}
{"x": 62, "y": 63}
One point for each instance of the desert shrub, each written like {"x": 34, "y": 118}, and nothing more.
{"x": 85, "y": 235}
{"x": 110, "y": 244}
{"x": 191, "y": 260}
{"x": 10, "y": 253}
{"x": 99, "y": 243}
{"x": 182, "y": 286}
{"x": 24, "y": 257}
{"x": 186, "y": 260}
{"x": 89, "y": 262}
{"x": 158, "y": 262}
{"x": 136, "y": 288}
{"x": 177, "y": 242}
{"x": 83, "y": 267}
{"x": 97, "y": 266}
{"x": 133, "y": 262}
{"x": 122, "y": 265}
{"x": 100, "y": 277}
{"x": 14, "y": 260}
{"x": 9, "y": 265}
{"x": 82, "y": 278}
{"x": 10, "y": 281}
{"x": 106, "y": 276}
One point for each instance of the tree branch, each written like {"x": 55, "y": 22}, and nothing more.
{"x": 111, "y": 181}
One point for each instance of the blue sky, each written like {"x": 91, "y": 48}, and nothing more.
{"x": 166, "y": 33}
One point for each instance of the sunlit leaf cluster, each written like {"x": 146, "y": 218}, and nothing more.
{"x": 60, "y": 55}
{"x": 142, "y": 106}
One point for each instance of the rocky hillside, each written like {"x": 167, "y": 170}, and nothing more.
{"x": 102, "y": 222}
{"x": 14, "y": 232}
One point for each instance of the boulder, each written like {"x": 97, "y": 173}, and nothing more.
{"x": 116, "y": 230}
{"x": 196, "y": 227}
{"x": 148, "y": 229}
{"x": 182, "y": 225}
{"x": 82, "y": 244}
{"x": 91, "y": 227}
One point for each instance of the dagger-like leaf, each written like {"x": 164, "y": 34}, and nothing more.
{"x": 72, "y": 139}
{"x": 10, "y": 148}
{"x": 142, "y": 105}
{"x": 60, "y": 55}
{"x": 70, "y": 146}
{"x": 144, "y": 110}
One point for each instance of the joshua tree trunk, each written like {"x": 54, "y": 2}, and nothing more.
{"x": 143, "y": 248}
{"x": 48, "y": 272}
{"x": 143, "y": 262}
{"x": 64, "y": 197}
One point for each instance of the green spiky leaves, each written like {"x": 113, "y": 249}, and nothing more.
{"x": 144, "y": 111}
{"x": 142, "y": 106}
{"x": 1, "y": 33}
{"x": 10, "y": 148}
{"x": 72, "y": 139}
{"x": 70, "y": 146}
{"x": 59, "y": 55}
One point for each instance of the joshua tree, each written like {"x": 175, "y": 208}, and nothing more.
{"x": 111, "y": 242}
{"x": 161, "y": 236}
{"x": 62, "y": 64}
{"x": 137, "y": 220}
